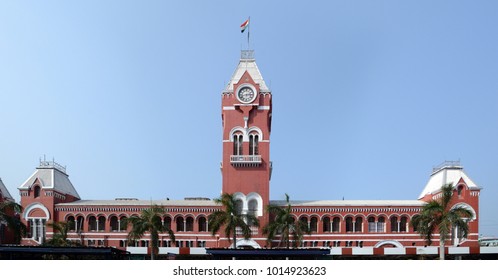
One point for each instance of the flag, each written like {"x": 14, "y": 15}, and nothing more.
{"x": 244, "y": 26}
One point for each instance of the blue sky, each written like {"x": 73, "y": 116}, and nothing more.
{"x": 368, "y": 95}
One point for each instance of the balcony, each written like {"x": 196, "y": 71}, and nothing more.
{"x": 254, "y": 230}
{"x": 245, "y": 160}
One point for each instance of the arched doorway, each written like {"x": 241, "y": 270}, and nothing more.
{"x": 388, "y": 243}
{"x": 246, "y": 243}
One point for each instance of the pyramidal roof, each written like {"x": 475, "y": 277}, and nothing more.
{"x": 247, "y": 63}
{"x": 449, "y": 172}
{"x": 4, "y": 191}
{"x": 51, "y": 175}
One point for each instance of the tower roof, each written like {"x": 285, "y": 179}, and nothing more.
{"x": 4, "y": 191}
{"x": 449, "y": 172}
{"x": 247, "y": 63}
{"x": 51, "y": 175}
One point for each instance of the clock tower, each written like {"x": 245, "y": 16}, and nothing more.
{"x": 246, "y": 117}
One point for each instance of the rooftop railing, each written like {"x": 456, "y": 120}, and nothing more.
{"x": 52, "y": 164}
{"x": 245, "y": 160}
{"x": 447, "y": 163}
{"x": 247, "y": 54}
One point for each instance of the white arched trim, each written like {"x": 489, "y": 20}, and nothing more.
{"x": 242, "y": 197}
{"x": 388, "y": 242}
{"x": 34, "y": 206}
{"x": 245, "y": 133}
{"x": 238, "y": 129}
{"x": 257, "y": 130}
{"x": 245, "y": 202}
{"x": 259, "y": 200}
{"x": 246, "y": 243}
{"x": 468, "y": 207}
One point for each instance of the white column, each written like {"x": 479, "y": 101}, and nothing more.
{"x": 33, "y": 228}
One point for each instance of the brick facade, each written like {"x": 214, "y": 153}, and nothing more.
{"x": 246, "y": 171}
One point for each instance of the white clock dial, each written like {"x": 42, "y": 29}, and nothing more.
{"x": 246, "y": 94}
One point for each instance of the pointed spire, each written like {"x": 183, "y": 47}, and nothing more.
{"x": 247, "y": 63}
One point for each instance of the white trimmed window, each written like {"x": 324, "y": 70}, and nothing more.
{"x": 253, "y": 144}
{"x": 237, "y": 144}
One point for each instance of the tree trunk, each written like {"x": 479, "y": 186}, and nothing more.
{"x": 441, "y": 249}
{"x": 235, "y": 238}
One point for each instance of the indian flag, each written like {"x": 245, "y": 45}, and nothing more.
{"x": 244, "y": 26}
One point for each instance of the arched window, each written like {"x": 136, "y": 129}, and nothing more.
{"x": 92, "y": 223}
{"x": 336, "y": 224}
{"x": 349, "y": 224}
{"x": 253, "y": 209}
{"x": 358, "y": 225}
{"x": 460, "y": 190}
{"x": 114, "y": 223}
{"x": 167, "y": 222}
{"x": 180, "y": 225}
{"x": 372, "y": 226}
{"x": 415, "y": 225}
{"x": 36, "y": 191}
{"x": 314, "y": 224}
{"x": 79, "y": 223}
{"x": 394, "y": 224}
{"x": 122, "y": 223}
{"x": 304, "y": 220}
{"x": 326, "y": 224}
{"x": 189, "y": 224}
{"x": 253, "y": 144}
{"x": 71, "y": 222}
{"x": 101, "y": 225}
{"x": 237, "y": 144}
{"x": 202, "y": 224}
{"x": 403, "y": 223}
{"x": 381, "y": 224}
{"x": 239, "y": 206}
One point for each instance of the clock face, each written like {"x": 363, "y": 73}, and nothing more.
{"x": 246, "y": 94}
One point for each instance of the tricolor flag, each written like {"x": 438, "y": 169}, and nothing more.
{"x": 244, "y": 26}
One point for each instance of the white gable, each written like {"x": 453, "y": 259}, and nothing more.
{"x": 51, "y": 176}
{"x": 450, "y": 174}
{"x": 247, "y": 63}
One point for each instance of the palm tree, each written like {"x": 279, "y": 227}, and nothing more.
{"x": 149, "y": 221}
{"x": 438, "y": 215}
{"x": 285, "y": 225}
{"x": 231, "y": 218}
{"x": 59, "y": 238}
{"x": 9, "y": 215}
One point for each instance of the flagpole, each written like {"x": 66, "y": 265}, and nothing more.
{"x": 249, "y": 32}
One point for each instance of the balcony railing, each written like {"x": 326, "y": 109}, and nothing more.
{"x": 245, "y": 160}
{"x": 254, "y": 230}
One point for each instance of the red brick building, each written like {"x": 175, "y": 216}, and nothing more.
{"x": 246, "y": 105}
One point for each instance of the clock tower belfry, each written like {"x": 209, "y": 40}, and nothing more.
{"x": 246, "y": 117}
